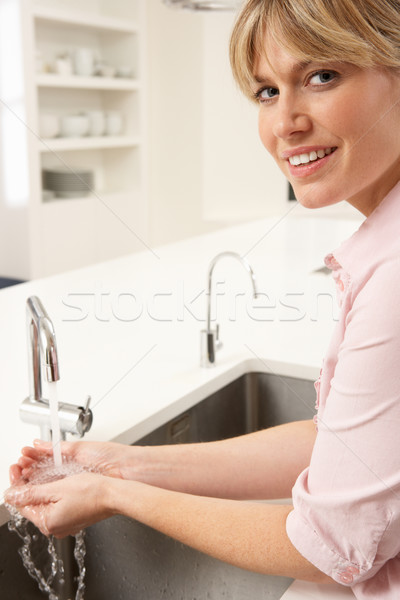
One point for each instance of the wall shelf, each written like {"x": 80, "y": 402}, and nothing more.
{"x": 53, "y": 80}
{"x": 84, "y": 20}
{"x": 87, "y": 143}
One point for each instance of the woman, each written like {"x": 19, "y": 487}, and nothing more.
{"x": 326, "y": 77}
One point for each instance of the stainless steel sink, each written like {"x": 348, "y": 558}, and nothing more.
{"x": 129, "y": 561}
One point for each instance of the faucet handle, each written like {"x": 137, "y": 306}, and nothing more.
{"x": 218, "y": 343}
{"x": 85, "y": 418}
{"x": 210, "y": 343}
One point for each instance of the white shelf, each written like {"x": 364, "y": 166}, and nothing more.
{"x": 84, "y": 19}
{"x": 99, "y": 221}
{"x": 53, "y": 80}
{"x": 103, "y": 196}
{"x": 87, "y": 143}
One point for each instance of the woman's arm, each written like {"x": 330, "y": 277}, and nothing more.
{"x": 248, "y": 535}
{"x": 260, "y": 465}
{"x": 178, "y": 502}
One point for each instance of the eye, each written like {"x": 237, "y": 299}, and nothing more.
{"x": 322, "y": 77}
{"x": 266, "y": 94}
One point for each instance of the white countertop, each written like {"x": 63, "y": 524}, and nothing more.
{"x": 128, "y": 329}
{"x": 302, "y": 590}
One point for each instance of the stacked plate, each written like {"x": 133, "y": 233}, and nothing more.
{"x": 68, "y": 183}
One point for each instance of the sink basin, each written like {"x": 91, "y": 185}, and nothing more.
{"x": 128, "y": 561}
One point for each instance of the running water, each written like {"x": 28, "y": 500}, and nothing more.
{"x": 52, "y": 576}
{"x": 55, "y": 423}
{"x": 44, "y": 472}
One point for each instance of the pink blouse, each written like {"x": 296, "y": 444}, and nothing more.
{"x": 346, "y": 517}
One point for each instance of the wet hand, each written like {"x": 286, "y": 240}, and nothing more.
{"x": 65, "y": 506}
{"x": 103, "y": 457}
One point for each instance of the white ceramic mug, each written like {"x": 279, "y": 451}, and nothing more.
{"x": 83, "y": 62}
{"x": 97, "y": 122}
{"x": 64, "y": 66}
{"x": 113, "y": 123}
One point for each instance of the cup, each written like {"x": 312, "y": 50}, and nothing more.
{"x": 113, "y": 123}
{"x": 125, "y": 72}
{"x": 103, "y": 69}
{"x": 83, "y": 60}
{"x": 63, "y": 65}
{"x": 97, "y": 122}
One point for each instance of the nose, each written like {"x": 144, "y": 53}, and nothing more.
{"x": 290, "y": 118}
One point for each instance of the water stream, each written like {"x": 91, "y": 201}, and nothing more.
{"x": 55, "y": 423}
{"x": 51, "y": 577}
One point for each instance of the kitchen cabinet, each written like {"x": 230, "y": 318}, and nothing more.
{"x": 109, "y": 219}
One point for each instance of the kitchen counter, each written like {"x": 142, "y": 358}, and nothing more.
{"x": 302, "y": 590}
{"x": 128, "y": 329}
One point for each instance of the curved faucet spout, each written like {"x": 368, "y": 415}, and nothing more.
{"x": 214, "y": 261}
{"x": 210, "y": 337}
{"x": 42, "y": 347}
{"x": 43, "y": 360}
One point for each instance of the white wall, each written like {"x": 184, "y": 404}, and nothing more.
{"x": 175, "y": 80}
{"x": 14, "y": 184}
{"x": 241, "y": 181}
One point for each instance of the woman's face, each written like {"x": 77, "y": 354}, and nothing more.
{"x": 333, "y": 128}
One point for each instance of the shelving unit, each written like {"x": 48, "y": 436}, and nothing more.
{"x": 87, "y": 143}
{"x": 70, "y": 233}
{"x": 61, "y": 14}
{"x": 50, "y": 80}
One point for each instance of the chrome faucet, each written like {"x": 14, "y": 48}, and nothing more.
{"x": 210, "y": 341}
{"x": 43, "y": 356}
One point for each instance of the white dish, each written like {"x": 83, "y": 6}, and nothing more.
{"x": 80, "y": 194}
{"x": 74, "y": 125}
{"x": 68, "y": 183}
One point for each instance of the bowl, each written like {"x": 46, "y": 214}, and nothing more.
{"x": 74, "y": 125}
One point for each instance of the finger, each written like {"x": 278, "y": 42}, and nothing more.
{"x": 17, "y": 495}
{"x": 24, "y": 495}
{"x": 30, "y": 452}
{"x": 41, "y": 517}
{"x": 37, "y": 515}
{"x": 68, "y": 449}
{"x": 43, "y": 447}
{"x": 15, "y": 475}
{"x": 24, "y": 462}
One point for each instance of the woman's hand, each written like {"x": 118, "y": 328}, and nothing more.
{"x": 106, "y": 458}
{"x": 65, "y": 506}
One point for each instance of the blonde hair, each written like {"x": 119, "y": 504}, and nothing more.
{"x": 361, "y": 32}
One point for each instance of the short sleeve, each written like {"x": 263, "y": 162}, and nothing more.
{"x": 346, "y": 517}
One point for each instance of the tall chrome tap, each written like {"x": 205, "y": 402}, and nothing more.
{"x": 43, "y": 362}
{"x": 210, "y": 341}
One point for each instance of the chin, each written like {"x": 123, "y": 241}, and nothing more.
{"x": 307, "y": 201}
{"x": 313, "y": 200}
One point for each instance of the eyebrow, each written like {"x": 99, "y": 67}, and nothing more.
{"x": 299, "y": 66}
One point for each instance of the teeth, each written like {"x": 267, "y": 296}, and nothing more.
{"x": 304, "y": 159}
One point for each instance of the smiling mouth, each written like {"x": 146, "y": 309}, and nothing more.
{"x": 308, "y": 157}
